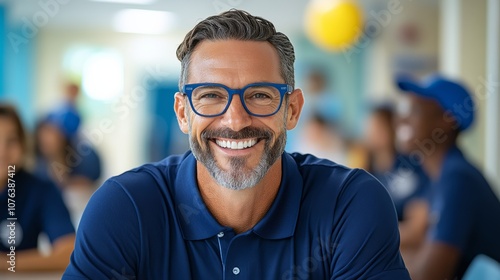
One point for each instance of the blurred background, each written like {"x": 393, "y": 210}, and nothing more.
{"x": 114, "y": 61}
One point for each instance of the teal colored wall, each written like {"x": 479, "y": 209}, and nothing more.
{"x": 2, "y": 50}
{"x": 18, "y": 64}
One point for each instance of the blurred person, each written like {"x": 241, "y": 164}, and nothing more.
{"x": 320, "y": 97}
{"x": 63, "y": 156}
{"x": 405, "y": 181}
{"x": 463, "y": 210}
{"x": 38, "y": 208}
{"x": 237, "y": 205}
{"x": 67, "y": 159}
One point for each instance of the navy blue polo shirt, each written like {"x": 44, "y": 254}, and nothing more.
{"x": 327, "y": 222}
{"x": 465, "y": 212}
{"x": 39, "y": 208}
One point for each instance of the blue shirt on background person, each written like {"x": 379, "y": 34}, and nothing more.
{"x": 405, "y": 182}
{"x": 39, "y": 208}
{"x": 327, "y": 222}
{"x": 464, "y": 211}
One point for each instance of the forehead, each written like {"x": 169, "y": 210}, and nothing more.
{"x": 415, "y": 103}
{"x": 234, "y": 63}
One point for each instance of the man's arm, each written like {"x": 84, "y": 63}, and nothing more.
{"x": 414, "y": 226}
{"x": 435, "y": 260}
{"x": 108, "y": 239}
{"x": 367, "y": 236}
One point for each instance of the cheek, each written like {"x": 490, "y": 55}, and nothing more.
{"x": 14, "y": 154}
{"x": 423, "y": 127}
{"x": 197, "y": 125}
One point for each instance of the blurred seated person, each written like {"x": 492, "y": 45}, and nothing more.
{"x": 67, "y": 159}
{"x": 405, "y": 180}
{"x": 62, "y": 155}
{"x": 464, "y": 212}
{"x": 39, "y": 207}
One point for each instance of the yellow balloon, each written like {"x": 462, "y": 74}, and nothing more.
{"x": 333, "y": 24}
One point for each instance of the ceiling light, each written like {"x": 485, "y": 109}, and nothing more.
{"x": 143, "y": 21}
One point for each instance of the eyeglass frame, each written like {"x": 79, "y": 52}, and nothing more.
{"x": 283, "y": 89}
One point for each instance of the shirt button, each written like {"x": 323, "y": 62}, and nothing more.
{"x": 236, "y": 270}
{"x": 220, "y": 234}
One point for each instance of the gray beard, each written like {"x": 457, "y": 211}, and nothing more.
{"x": 239, "y": 177}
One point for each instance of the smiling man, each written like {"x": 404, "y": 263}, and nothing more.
{"x": 237, "y": 206}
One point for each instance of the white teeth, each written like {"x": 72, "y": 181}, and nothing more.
{"x": 236, "y": 145}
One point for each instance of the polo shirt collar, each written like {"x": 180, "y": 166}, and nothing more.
{"x": 197, "y": 222}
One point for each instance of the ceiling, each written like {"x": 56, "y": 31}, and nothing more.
{"x": 88, "y": 14}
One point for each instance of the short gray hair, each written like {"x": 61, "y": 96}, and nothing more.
{"x": 239, "y": 25}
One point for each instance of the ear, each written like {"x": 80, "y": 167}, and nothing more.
{"x": 295, "y": 104}
{"x": 181, "y": 111}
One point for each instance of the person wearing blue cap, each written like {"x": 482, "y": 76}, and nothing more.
{"x": 463, "y": 211}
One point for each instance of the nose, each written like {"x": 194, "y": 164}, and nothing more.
{"x": 236, "y": 117}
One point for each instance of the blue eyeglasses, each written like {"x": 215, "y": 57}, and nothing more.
{"x": 258, "y": 99}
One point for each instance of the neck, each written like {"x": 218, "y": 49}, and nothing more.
{"x": 239, "y": 209}
{"x": 432, "y": 162}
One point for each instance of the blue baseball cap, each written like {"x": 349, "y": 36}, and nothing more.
{"x": 452, "y": 96}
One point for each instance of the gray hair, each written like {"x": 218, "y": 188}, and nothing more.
{"x": 239, "y": 25}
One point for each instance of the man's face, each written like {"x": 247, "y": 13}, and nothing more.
{"x": 418, "y": 117}
{"x": 216, "y": 142}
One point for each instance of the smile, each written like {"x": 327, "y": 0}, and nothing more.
{"x": 236, "y": 145}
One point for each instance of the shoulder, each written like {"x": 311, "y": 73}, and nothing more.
{"x": 329, "y": 176}
{"x": 460, "y": 177}
{"x": 352, "y": 209}
{"x": 334, "y": 186}
{"x": 146, "y": 189}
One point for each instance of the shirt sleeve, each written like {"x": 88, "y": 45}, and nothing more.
{"x": 56, "y": 220}
{"x": 107, "y": 243}
{"x": 453, "y": 212}
{"x": 366, "y": 235}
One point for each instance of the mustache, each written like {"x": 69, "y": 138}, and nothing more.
{"x": 247, "y": 132}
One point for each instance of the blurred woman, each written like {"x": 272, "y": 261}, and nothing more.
{"x": 37, "y": 206}
{"x": 62, "y": 156}
{"x": 67, "y": 159}
{"x": 404, "y": 180}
